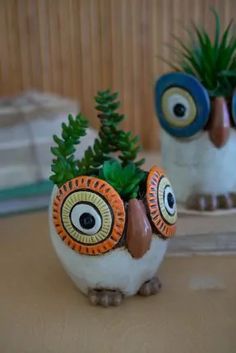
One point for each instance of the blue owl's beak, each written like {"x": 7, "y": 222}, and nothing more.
{"x": 219, "y": 124}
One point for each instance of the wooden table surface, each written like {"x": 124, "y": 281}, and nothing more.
{"x": 42, "y": 312}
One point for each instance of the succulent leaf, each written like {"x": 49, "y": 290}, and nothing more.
{"x": 212, "y": 61}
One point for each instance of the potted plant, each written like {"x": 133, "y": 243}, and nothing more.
{"x": 110, "y": 220}
{"x": 196, "y": 107}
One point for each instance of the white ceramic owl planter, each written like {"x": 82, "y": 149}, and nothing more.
{"x": 109, "y": 220}
{"x": 197, "y": 112}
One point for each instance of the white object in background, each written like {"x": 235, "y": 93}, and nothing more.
{"x": 196, "y": 166}
{"x": 27, "y": 124}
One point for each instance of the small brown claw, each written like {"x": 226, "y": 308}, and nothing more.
{"x": 150, "y": 287}
{"x": 202, "y": 202}
{"x": 233, "y": 198}
{"x": 105, "y": 297}
{"x": 210, "y": 202}
{"x": 225, "y": 201}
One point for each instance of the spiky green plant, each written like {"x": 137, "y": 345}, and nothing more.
{"x": 110, "y": 138}
{"x": 64, "y": 166}
{"x": 124, "y": 174}
{"x": 118, "y": 140}
{"x": 212, "y": 61}
{"x": 125, "y": 180}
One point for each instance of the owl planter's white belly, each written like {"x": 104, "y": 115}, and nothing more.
{"x": 194, "y": 165}
{"x": 115, "y": 270}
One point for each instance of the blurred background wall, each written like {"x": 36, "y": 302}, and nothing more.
{"x": 76, "y": 47}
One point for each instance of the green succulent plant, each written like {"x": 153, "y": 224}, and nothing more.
{"x": 124, "y": 174}
{"x": 212, "y": 61}
{"x": 126, "y": 180}
{"x": 110, "y": 138}
{"x": 64, "y": 166}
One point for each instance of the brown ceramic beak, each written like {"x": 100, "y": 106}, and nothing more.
{"x": 219, "y": 124}
{"x": 139, "y": 230}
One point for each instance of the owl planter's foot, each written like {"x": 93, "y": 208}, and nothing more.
{"x": 209, "y": 202}
{"x": 150, "y": 287}
{"x": 233, "y": 198}
{"x": 104, "y": 297}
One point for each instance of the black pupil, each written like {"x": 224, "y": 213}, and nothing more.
{"x": 179, "y": 110}
{"x": 87, "y": 220}
{"x": 170, "y": 200}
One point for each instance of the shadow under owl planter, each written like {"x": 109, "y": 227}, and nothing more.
{"x": 196, "y": 107}
{"x": 110, "y": 221}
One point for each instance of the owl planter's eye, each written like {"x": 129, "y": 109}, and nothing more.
{"x": 161, "y": 203}
{"x": 86, "y": 218}
{"x": 89, "y": 215}
{"x": 182, "y": 104}
{"x": 178, "y": 106}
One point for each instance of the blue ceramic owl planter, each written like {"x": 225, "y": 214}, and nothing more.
{"x": 196, "y": 108}
{"x": 110, "y": 221}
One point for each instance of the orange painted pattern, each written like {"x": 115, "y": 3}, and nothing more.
{"x": 114, "y": 201}
{"x": 164, "y": 228}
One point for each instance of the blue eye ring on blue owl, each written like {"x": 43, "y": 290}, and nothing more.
{"x": 182, "y": 104}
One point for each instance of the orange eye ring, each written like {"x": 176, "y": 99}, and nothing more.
{"x": 107, "y": 211}
{"x": 158, "y": 189}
